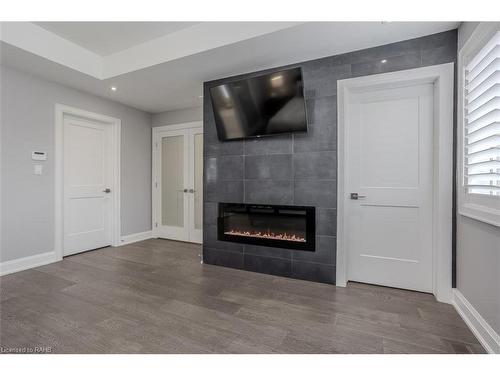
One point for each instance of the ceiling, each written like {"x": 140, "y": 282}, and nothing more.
{"x": 105, "y": 38}
{"x": 169, "y": 75}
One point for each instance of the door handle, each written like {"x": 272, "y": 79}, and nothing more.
{"x": 192, "y": 190}
{"x": 356, "y": 196}
{"x": 183, "y": 190}
{"x": 107, "y": 190}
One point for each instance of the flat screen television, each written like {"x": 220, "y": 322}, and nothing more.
{"x": 260, "y": 106}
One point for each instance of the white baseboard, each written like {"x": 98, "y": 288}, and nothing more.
{"x": 136, "y": 237}
{"x": 486, "y": 335}
{"x": 25, "y": 263}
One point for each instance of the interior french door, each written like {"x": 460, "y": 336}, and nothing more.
{"x": 177, "y": 183}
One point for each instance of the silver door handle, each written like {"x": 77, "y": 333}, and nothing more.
{"x": 107, "y": 190}
{"x": 192, "y": 190}
{"x": 356, "y": 196}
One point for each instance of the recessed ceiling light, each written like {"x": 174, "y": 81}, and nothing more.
{"x": 113, "y": 88}
{"x": 383, "y": 61}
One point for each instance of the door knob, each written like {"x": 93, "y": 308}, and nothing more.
{"x": 356, "y": 196}
{"x": 192, "y": 190}
{"x": 107, "y": 190}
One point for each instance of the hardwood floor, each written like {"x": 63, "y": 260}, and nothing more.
{"x": 155, "y": 297}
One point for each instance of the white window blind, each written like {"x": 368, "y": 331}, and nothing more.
{"x": 482, "y": 121}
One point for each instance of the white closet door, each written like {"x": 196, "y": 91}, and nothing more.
{"x": 390, "y": 178}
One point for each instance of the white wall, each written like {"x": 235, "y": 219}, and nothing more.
{"x": 464, "y": 32}
{"x": 478, "y": 251}
{"x": 27, "y": 118}
{"x": 478, "y": 267}
{"x": 178, "y": 116}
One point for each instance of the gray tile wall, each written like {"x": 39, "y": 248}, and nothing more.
{"x": 298, "y": 168}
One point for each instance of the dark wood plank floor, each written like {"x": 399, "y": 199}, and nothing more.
{"x": 155, "y": 297}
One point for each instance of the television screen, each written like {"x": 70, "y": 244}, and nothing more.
{"x": 259, "y": 106}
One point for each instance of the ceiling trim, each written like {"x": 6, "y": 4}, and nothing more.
{"x": 185, "y": 42}
{"x": 37, "y": 40}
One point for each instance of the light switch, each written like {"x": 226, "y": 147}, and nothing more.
{"x": 37, "y": 169}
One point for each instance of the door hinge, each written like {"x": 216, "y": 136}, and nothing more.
{"x": 156, "y": 184}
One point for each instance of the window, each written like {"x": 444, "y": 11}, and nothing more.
{"x": 479, "y": 131}
{"x": 482, "y": 121}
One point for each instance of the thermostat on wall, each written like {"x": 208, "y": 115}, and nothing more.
{"x": 39, "y": 155}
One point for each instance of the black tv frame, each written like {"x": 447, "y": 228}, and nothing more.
{"x": 256, "y": 76}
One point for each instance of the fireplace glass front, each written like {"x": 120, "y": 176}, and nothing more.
{"x": 291, "y": 227}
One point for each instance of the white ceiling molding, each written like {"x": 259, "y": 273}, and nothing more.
{"x": 186, "y": 42}
{"x": 34, "y": 39}
{"x": 106, "y": 38}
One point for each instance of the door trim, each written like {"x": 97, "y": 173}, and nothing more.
{"x": 60, "y": 111}
{"x": 154, "y": 164}
{"x": 442, "y": 78}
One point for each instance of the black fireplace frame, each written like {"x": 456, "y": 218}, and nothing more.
{"x": 308, "y": 245}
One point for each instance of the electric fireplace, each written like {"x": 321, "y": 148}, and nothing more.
{"x": 291, "y": 227}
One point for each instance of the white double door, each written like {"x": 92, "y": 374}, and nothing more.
{"x": 177, "y": 183}
{"x": 389, "y": 190}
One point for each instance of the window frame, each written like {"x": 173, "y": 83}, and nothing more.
{"x": 484, "y": 208}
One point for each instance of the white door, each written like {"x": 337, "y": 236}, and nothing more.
{"x": 389, "y": 166}
{"x": 178, "y": 189}
{"x": 87, "y": 185}
{"x": 195, "y": 196}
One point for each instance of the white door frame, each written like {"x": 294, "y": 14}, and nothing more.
{"x": 62, "y": 110}
{"x": 154, "y": 168}
{"x": 442, "y": 78}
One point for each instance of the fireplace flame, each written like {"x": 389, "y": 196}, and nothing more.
{"x": 267, "y": 235}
